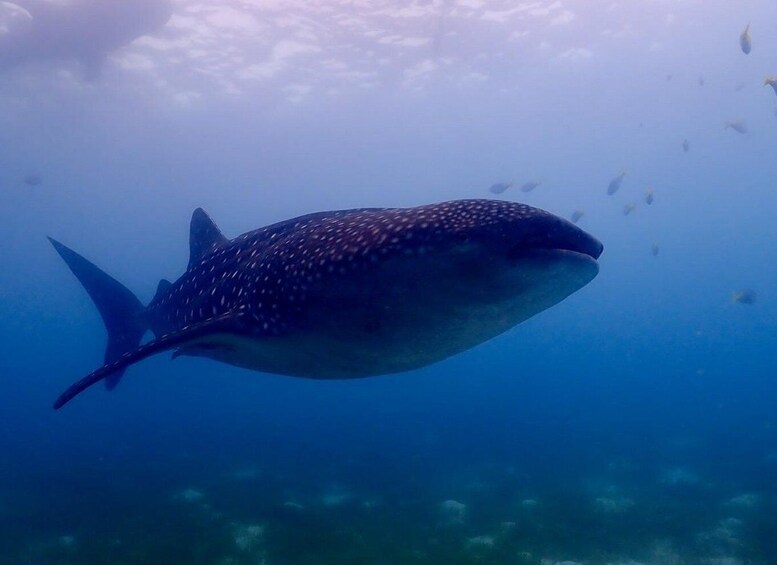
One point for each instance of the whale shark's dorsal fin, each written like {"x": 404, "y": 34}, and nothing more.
{"x": 204, "y": 236}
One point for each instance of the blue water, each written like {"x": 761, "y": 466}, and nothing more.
{"x": 632, "y": 423}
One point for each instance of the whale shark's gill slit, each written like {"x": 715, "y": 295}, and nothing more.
{"x": 229, "y": 323}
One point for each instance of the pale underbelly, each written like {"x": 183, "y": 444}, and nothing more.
{"x": 399, "y": 319}
{"x": 407, "y": 342}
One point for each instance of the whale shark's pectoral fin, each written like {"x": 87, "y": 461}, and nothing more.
{"x": 188, "y": 336}
{"x": 202, "y": 349}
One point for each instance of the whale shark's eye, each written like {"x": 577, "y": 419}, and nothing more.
{"x": 462, "y": 237}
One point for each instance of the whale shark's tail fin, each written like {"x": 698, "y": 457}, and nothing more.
{"x": 121, "y": 311}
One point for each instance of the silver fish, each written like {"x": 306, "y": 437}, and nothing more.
{"x": 529, "y": 186}
{"x": 32, "y": 179}
{"x": 737, "y": 125}
{"x": 745, "y": 42}
{"x": 576, "y": 215}
{"x": 500, "y": 187}
{"x": 615, "y": 184}
{"x": 771, "y": 81}
{"x": 744, "y": 296}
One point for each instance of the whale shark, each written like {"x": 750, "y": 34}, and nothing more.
{"x": 86, "y": 31}
{"x": 348, "y": 293}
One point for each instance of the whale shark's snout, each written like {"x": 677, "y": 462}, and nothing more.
{"x": 493, "y": 231}
{"x": 558, "y": 248}
{"x": 547, "y": 232}
{"x": 497, "y": 264}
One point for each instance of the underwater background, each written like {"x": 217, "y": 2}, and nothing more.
{"x": 632, "y": 423}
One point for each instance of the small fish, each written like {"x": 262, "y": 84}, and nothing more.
{"x": 576, "y": 215}
{"x": 686, "y": 146}
{"x": 649, "y": 196}
{"x": 745, "y": 42}
{"x": 744, "y": 296}
{"x": 615, "y": 184}
{"x": 740, "y": 87}
{"x": 701, "y": 80}
{"x": 737, "y": 125}
{"x": 529, "y": 186}
{"x": 654, "y": 249}
{"x": 628, "y": 209}
{"x": 500, "y": 187}
{"x": 771, "y": 81}
{"x": 32, "y": 180}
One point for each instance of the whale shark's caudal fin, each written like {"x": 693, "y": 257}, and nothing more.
{"x": 122, "y": 312}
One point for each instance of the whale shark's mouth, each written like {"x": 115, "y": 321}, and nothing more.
{"x": 550, "y": 233}
{"x": 581, "y": 244}
{"x": 577, "y": 268}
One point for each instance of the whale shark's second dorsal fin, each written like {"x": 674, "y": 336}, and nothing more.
{"x": 204, "y": 236}
{"x": 161, "y": 289}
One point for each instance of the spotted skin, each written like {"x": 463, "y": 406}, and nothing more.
{"x": 267, "y": 273}
{"x": 251, "y": 274}
{"x": 362, "y": 292}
